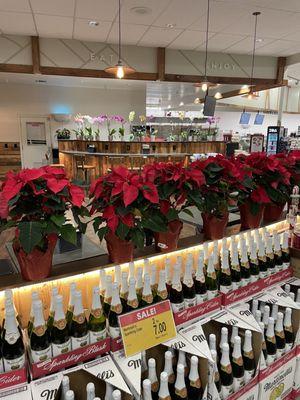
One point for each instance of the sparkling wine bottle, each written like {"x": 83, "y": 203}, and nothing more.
{"x": 279, "y": 335}
{"x": 34, "y": 298}
{"x": 274, "y": 313}
{"x": 288, "y": 329}
{"x": 168, "y": 368}
{"x": 71, "y": 302}
{"x": 124, "y": 288}
{"x": 270, "y": 256}
{"x": 263, "y": 340}
{"x": 235, "y": 266}
{"x": 108, "y": 294}
{"x": 266, "y": 316}
{"x": 277, "y": 252}
{"x": 176, "y": 293}
{"x": 97, "y": 320}
{"x": 298, "y": 296}
{"x": 108, "y": 391}
{"x": 225, "y": 274}
{"x": 213, "y": 370}
{"x": 40, "y": 344}
{"x": 139, "y": 283}
{"x": 116, "y": 395}
{"x": 254, "y": 306}
{"x": 285, "y": 250}
{"x": 211, "y": 279}
{"x": 70, "y": 395}
{"x": 188, "y": 287}
{"x": 270, "y": 342}
{"x": 132, "y": 300}
{"x": 131, "y": 268}
{"x": 168, "y": 273}
{"x": 102, "y": 283}
{"x": 61, "y": 342}
{"x": 226, "y": 372}
{"x": 54, "y": 293}
{"x": 147, "y": 295}
{"x": 257, "y": 316}
{"x": 248, "y": 356}
{"x": 116, "y": 309}
{"x": 182, "y": 361}
{"x": 194, "y": 387}
{"x": 224, "y": 338}
{"x": 238, "y": 370}
{"x": 287, "y": 288}
{"x": 162, "y": 292}
{"x": 262, "y": 260}
{"x": 212, "y": 340}
{"x": 65, "y": 386}
{"x": 153, "y": 378}
{"x": 153, "y": 279}
{"x": 245, "y": 266}
{"x": 118, "y": 274}
{"x": 234, "y": 333}
{"x": 253, "y": 261}
{"x": 90, "y": 391}
{"x": 180, "y": 387}
{"x": 147, "y": 394}
{"x": 79, "y": 326}
{"x": 199, "y": 280}
{"x": 163, "y": 393}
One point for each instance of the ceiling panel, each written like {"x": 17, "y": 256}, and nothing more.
{"x": 131, "y": 33}
{"x": 155, "y": 8}
{"x": 189, "y": 40}
{"x": 159, "y": 36}
{"x": 275, "y": 47}
{"x": 63, "y": 26}
{"x": 245, "y": 46}
{"x": 54, "y": 7}
{"x": 15, "y": 5}
{"x": 17, "y": 23}
{"x": 102, "y": 10}
{"x": 82, "y": 30}
{"x": 221, "y": 41}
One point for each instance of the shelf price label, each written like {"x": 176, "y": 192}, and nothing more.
{"x": 147, "y": 327}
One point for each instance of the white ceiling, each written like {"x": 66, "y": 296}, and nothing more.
{"x": 231, "y": 26}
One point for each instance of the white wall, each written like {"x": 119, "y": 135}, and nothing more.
{"x": 18, "y": 100}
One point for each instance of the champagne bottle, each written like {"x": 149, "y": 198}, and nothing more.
{"x": 147, "y": 296}
{"x": 188, "y": 287}
{"x": 147, "y": 266}
{"x": 279, "y": 335}
{"x": 97, "y": 320}
{"x": 270, "y": 256}
{"x": 102, "y": 283}
{"x": 235, "y": 266}
{"x": 190, "y": 260}
{"x": 34, "y": 298}
{"x": 116, "y": 309}
{"x": 153, "y": 279}
{"x": 254, "y": 306}
{"x": 261, "y": 306}
{"x": 248, "y": 356}
{"x": 147, "y": 394}
{"x": 238, "y": 370}
{"x": 163, "y": 393}
{"x": 271, "y": 342}
{"x": 70, "y": 395}
{"x": 226, "y": 372}
{"x": 168, "y": 273}
{"x": 274, "y": 313}
{"x": 61, "y": 342}
{"x": 205, "y": 256}
{"x": 90, "y": 391}
{"x": 224, "y": 338}
{"x": 194, "y": 388}
{"x": 257, "y": 316}
{"x": 168, "y": 368}
{"x": 245, "y": 266}
{"x": 132, "y": 300}
{"x": 182, "y": 361}
{"x": 266, "y": 316}
{"x": 139, "y": 283}
{"x": 65, "y": 386}
{"x": 212, "y": 340}
{"x": 234, "y": 333}
{"x": 298, "y": 296}
{"x": 253, "y": 261}
{"x": 176, "y": 293}
{"x": 211, "y": 279}
{"x": 292, "y": 296}
{"x": 285, "y": 251}
{"x": 116, "y": 395}
{"x": 79, "y": 326}
{"x": 71, "y": 302}
{"x": 108, "y": 294}
{"x": 124, "y": 288}
{"x": 288, "y": 329}
{"x": 216, "y": 258}
{"x": 277, "y": 252}
{"x": 287, "y": 288}
{"x": 180, "y": 387}
{"x": 118, "y": 275}
{"x": 263, "y": 340}
{"x": 54, "y": 293}
{"x": 40, "y": 344}
{"x": 162, "y": 291}
{"x": 108, "y": 391}
{"x": 225, "y": 274}
{"x": 153, "y": 378}
{"x": 13, "y": 349}
{"x": 214, "y": 370}
{"x": 262, "y": 260}
{"x": 179, "y": 263}
{"x": 199, "y": 281}
{"x": 131, "y": 268}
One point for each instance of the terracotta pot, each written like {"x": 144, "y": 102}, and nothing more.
{"x": 272, "y": 212}
{"x": 119, "y": 251}
{"x": 248, "y": 219}
{"x": 36, "y": 265}
{"x": 214, "y": 227}
{"x": 168, "y": 241}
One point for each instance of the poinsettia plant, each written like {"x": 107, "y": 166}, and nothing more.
{"x": 35, "y": 201}
{"x": 120, "y": 203}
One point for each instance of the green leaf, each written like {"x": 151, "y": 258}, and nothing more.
{"x": 138, "y": 238}
{"x": 31, "y": 233}
{"x": 102, "y": 232}
{"x": 68, "y": 233}
{"x": 58, "y": 220}
{"x": 172, "y": 214}
{"x": 96, "y": 224}
{"x": 122, "y": 230}
{"x": 155, "y": 224}
{"x": 188, "y": 212}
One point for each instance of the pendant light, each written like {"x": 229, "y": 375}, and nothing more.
{"x": 119, "y": 70}
{"x": 251, "y": 94}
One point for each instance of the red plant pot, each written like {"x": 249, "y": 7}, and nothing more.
{"x": 36, "y": 265}
{"x": 168, "y": 241}
{"x": 119, "y": 251}
{"x": 273, "y": 212}
{"x": 248, "y": 219}
{"x": 214, "y": 227}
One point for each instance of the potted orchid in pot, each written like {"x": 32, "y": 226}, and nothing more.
{"x": 35, "y": 201}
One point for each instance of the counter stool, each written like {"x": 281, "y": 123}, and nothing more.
{"x": 84, "y": 169}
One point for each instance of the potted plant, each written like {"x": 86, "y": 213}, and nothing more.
{"x": 35, "y": 202}
{"x": 177, "y": 186}
{"x": 222, "y": 181}
{"x": 63, "y": 134}
{"x": 119, "y": 119}
{"x": 119, "y": 201}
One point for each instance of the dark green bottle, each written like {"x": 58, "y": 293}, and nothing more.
{"x": 97, "y": 320}
{"x": 79, "y": 325}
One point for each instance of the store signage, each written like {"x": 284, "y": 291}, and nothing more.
{"x": 101, "y": 58}
{"x": 147, "y": 327}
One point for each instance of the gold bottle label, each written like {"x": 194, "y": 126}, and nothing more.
{"x": 235, "y": 267}
{"x": 271, "y": 339}
{"x": 278, "y": 253}
{"x": 226, "y": 368}
{"x": 148, "y": 298}
{"x": 226, "y": 272}
{"x": 182, "y": 393}
{"x": 212, "y": 275}
{"x": 288, "y": 328}
{"x": 280, "y": 334}
{"x": 270, "y": 256}
{"x": 245, "y": 265}
{"x": 196, "y": 384}
{"x": 189, "y": 283}
{"x": 39, "y": 330}
{"x": 263, "y": 259}
{"x": 79, "y": 318}
{"x": 238, "y": 361}
{"x": 117, "y": 308}
{"x": 60, "y": 324}
{"x": 107, "y": 300}
{"x": 124, "y": 295}
{"x": 154, "y": 387}
{"x": 133, "y": 303}
{"x": 163, "y": 294}
{"x": 249, "y": 354}
{"x": 96, "y": 313}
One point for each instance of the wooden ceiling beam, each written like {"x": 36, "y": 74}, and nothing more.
{"x": 281, "y": 64}
{"x": 35, "y": 51}
{"x": 161, "y": 63}
{"x": 16, "y": 68}
{"x": 225, "y": 80}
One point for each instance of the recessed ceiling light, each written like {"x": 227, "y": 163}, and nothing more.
{"x": 141, "y": 10}
{"x": 169, "y": 106}
{"x": 170, "y": 26}
{"x": 181, "y": 103}
{"x": 259, "y": 40}
{"x": 93, "y": 23}
{"x": 197, "y": 100}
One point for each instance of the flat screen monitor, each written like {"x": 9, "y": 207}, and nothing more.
{"x": 209, "y": 106}
{"x": 259, "y": 119}
{"x": 245, "y": 118}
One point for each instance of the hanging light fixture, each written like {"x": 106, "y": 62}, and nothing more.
{"x": 251, "y": 93}
{"x": 119, "y": 70}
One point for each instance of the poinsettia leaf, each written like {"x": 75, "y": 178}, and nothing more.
{"x": 172, "y": 214}
{"x": 155, "y": 224}
{"x": 96, "y": 223}
{"x": 188, "y": 212}
{"x": 31, "y": 233}
{"x": 138, "y": 238}
{"x": 58, "y": 220}
{"x": 68, "y": 233}
{"x": 122, "y": 230}
{"x": 102, "y": 232}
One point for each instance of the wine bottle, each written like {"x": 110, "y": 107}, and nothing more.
{"x": 277, "y": 252}
{"x": 90, "y": 390}
{"x": 238, "y": 370}
{"x": 139, "y": 283}
{"x": 262, "y": 260}
{"x": 254, "y": 306}
{"x": 234, "y": 333}
{"x": 194, "y": 387}
{"x": 132, "y": 300}
{"x": 253, "y": 261}
{"x": 213, "y": 370}
{"x": 270, "y": 342}
{"x": 205, "y": 256}
{"x": 162, "y": 292}
{"x": 190, "y": 260}
{"x": 288, "y": 329}
{"x": 263, "y": 340}
{"x": 180, "y": 387}
{"x": 248, "y": 356}
{"x": 71, "y": 302}
{"x": 287, "y": 288}
{"x": 176, "y": 293}
{"x": 79, "y": 326}
{"x": 147, "y": 394}
{"x": 168, "y": 273}
{"x": 257, "y": 316}
{"x": 34, "y": 298}
{"x": 188, "y": 287}
{"x": 65, "y": 386}
{"x": 211, "y": 279}
{"x": 9, "y": 298}
{"x": 70, "y": 395}
{"x": 118, "y": 275}
{"x": 107, "y": 295}
{"x": 13, "y": 349}
{"x": 116, "y": 309}
{"x": 279, "y": 335}
{"x": 216, "y": 258}
{"x": 153, "y": 279}
{"x": 224, "y": 338}
{"x": 147, "y": 296}
{"x": 168, "y": 368}
{"x": 54, "y": 293}
{"x": 225, "y": 274}
{"x": 147, "y": 266}
{"x": 262, "y": 306}
{"x": 61, "y": 342}
{"x": 116, "y": 395}
{"x": 270, "y": 256}
{"x": 274, "y": 313}
{"x": 163, "y": 393}
{"x": 266, "y": 316}
{"x": 235, "y": 266}
{"x": 40, "y": 344}
{"x": 131, "y": 269}
{"x": 179, "y": 263}
{"x": 199, "y": 281}
{"x": 245, "y": 266}
{"x": 182, "y": 361}
{"x": 102, "y": 283}
{"x": 97, "y": 320}
{"x": 292, "y": 296}
{"x": 212, "y": 340}
{"x": 108, "y": 391}
{"x": 298, "y": 296}
{"x": 285, "y": 251}
{"x": 153, "y": 378}
{"x": 226, "y": 372}
{"x": 124, "y": 288}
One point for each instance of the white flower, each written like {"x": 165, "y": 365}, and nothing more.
{"x": 131, "y": 116}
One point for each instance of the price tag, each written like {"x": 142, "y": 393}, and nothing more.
{"x": 147, "y": 327}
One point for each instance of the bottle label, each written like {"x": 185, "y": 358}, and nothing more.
{"x": 201, "y": 298}
{"x": 248, "y": 375}
{"x": 245, "y": 265}
{"x": 270, "y": 256}
{"x": 80, "y": 318}
{"x": 212, "y": 294}
{"x": 190, "y": 302}
{"x": 181, "y": 393}
{"x": 226, "y": 368}
{"x": 280, "y": 352}
{"x": 97, "y": 336}
{"x": 163, "y": 294}
{"x": 60, "y": 324}
{"x": 249, "y": 354}
{"x": 77, "y": 342}
{"x": 226, "y": 391}
{"x": 41, "y": 355}
{"x": 288, "y": 346}
{"x": 238, "y": 361}
{"x": 212, "y": 275}
{"x": 238, "y": 383}
{"x": 62, "y": 348}
{"x": 16, "y": 363}
{"x": 117, "y": 308}
{"x": 236, "y": 285}
{"x": 12, "y": 337}
{"x": 133, "y": 303}
{"x": 97, "y": 312}
{"x": 114, "y": 332}
{"x": 147, "y": 299}
{"x": 263, "y": 274}
{"x": 245, "y": 281}
{"x": 254, "y": 278}
{"x": 270, "y": 359}
{"x": 39, "y": 330}
{"x": 177, "y": 307}
{"x": 225, "y": 289}
{"x": 285, "y": 265}
{"x": 196, "y": 384}
{"x": 235, "y": 267}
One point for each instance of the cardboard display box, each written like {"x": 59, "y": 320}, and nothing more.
{"x": 18, "y": 392}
